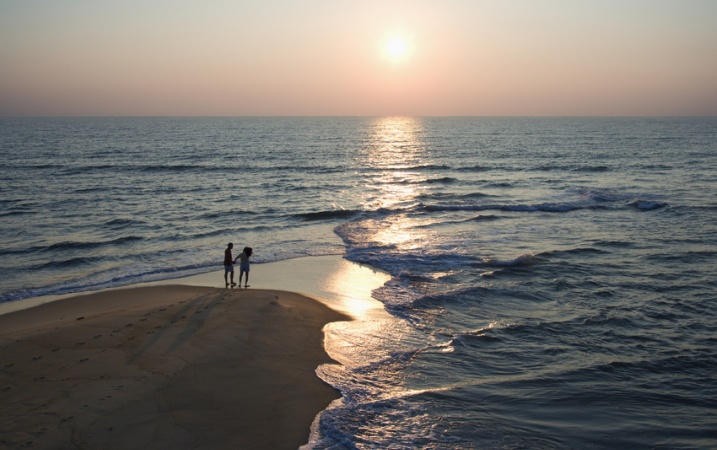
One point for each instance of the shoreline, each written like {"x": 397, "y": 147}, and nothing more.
{"x": 330, "y": 279}
{"x": 183, "y": 363}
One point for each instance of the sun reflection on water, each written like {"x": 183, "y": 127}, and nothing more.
{"x": 393, "y": 153}
{"x": 393, "y": 148}
{"x": 350, "y": 286}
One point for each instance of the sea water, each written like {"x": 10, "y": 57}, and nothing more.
{"x": 552, "y": 280}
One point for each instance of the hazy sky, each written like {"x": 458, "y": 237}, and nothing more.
{"x": 333, "y": 57}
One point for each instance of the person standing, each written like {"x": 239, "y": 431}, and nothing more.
{"x": 229, "y": 265}
{"x": 244, "y": 265}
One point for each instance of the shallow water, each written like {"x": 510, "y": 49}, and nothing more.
{"x": 552, "y": 280}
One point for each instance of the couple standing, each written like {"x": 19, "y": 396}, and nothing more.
{"x": 243, "y": 265}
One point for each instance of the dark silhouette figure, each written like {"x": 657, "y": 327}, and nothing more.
{"x": 244, "y": 265}
{"x": 229, "y": 265}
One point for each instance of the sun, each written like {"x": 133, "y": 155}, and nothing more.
{"x": 396, "y": 48}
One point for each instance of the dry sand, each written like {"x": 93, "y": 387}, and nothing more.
{"x": 170, "y": 367}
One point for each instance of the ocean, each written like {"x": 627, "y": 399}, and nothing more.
{"x": 552, "y": 280}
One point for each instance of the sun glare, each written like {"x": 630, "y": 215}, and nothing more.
{"x": 396, "y": 48}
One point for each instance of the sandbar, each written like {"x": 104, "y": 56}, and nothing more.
{"x": 167, "y": 366}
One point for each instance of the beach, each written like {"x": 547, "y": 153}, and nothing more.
{"x": 169, "y": 366}
{"x": 512, "y": 282}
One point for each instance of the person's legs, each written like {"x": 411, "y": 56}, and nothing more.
{"x": 229, "y": 270}
{"x": 244, "y": 269}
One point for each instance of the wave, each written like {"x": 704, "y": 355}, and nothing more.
{"x": 180, "y": 168}
{"x": 442, "y": 180}
{"x": 614, "y": 244}
{"x": 646, "y": 205}
{"x": 476, "y": 337}
{"x": 574, "y": 251}
{"x": 313, "y": 169}
{"x": 428, "y": 167}
{"x": 68, "y": 263}
{"x": 75, "y": 245}
{"x": 574, "y": 168}
{"x": 551, "y": 207}
{"x": 193, "y": 233}
{"x": 472, "y": 169}
{"x": 118, "y": 224}
{"x": 17, "y": 213}
{"x": 597, "y": 169}
{"x": 82, "y": 170}
{"x": 450, "y": 196}
{"x": 482, "y": 218}
{"x": 684, "y": 257}
{"x": 695, "y": 364}
{"x": 478, "y": 218}
{"x": 411, "y": 181}
{"x": 526, "y": 259}
{"x": 328, "y": 215}
{"x": 105, "y": 282}
{"x": 646, "y": 202}
{"x": 542, "y": 207}
{"x": 156, "y": 168}
{"x": 40, "y": 166}
{"x": 222, "y": 215}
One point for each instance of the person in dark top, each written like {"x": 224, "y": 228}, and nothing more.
{"x": 229, "y": 265}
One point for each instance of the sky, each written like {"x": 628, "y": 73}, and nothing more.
{"x": 358, "y": 58}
